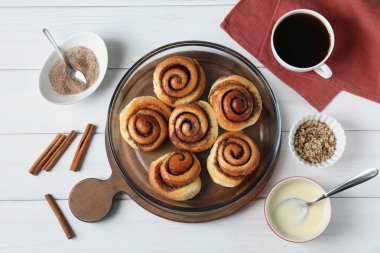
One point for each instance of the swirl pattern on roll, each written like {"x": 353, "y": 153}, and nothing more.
{"x": 176, "y": 175}
{"x": 178, "y": 80}
{"x": 236, "y": 102}
{"x": 144, "y": 123}
{"x": 193, "y": 127}
{"x": 233, "y": 157}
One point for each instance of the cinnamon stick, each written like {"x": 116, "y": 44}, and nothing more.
{"x": 60, "y": 150}
{"x": 37, "y": 165}
{"x": 82, "y": 147}
{"x": 61, "y": 218}
{"x": 49, "y": 154}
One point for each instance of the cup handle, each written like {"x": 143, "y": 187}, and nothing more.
{"x": 324, "y": 71}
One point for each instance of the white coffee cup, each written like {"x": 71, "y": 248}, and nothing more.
{"x": 321, "y": 68}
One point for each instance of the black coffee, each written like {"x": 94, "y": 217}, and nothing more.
{"x": 301, "y": 40}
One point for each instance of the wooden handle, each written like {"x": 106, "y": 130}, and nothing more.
{"x": 91, "y": 199}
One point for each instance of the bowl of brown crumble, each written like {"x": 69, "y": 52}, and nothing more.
{"x": 317, "y": 140}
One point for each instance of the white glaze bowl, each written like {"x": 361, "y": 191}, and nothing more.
{"x": 267, "y": 209}
{"x": 334, "y": 125}
{"x": 87, "y": 39}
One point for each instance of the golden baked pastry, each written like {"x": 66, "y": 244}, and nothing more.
{"x": 193, "y": 127}
{"x": 233, "y": 157}
{"x": 236, "y": 102}
{"x": 178, "y": 80}
{"x": 176, "y": 175}
{"x": 144, "y": 123}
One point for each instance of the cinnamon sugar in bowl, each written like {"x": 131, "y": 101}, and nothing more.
{"x": 86, "y": 52}
{"x": 80, "y": 58}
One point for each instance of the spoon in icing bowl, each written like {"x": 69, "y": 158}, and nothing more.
{"x": 75, "y": 74}
{"x": 298, "y": 208}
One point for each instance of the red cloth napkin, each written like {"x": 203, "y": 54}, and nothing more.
{"x": 355, "y": 60}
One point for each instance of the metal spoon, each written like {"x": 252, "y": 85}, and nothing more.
{"x": 75, "y": 74}
{"x": 296, "y": 205}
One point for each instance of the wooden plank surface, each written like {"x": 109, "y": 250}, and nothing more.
{"x": 129, "y": 32}
{"x": 30, "y": 113}
{"x": 32, "y": 227}
{"x": 130, "y": 29}
{"x": 362, "y": 152}
{"x": 117, "y": 3}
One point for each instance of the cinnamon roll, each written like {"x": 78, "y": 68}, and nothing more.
{"x": 178, "y": 80}
{"x": 233, "y": 157}
{"x": 144, "y": 123}
{"x": 176, "y": 175}
{"x": 193, "y": 127}
{"x": 236, "y": 102}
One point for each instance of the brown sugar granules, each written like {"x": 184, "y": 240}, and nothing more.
{"x": 314, "y": 141}
{"x": 80, "y": 58}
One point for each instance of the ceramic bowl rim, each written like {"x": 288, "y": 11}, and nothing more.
{"x": 266, "y": 215}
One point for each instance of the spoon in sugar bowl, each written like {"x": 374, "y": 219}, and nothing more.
{"x": 299, "y": 208}
{"x": 75, "y": 74}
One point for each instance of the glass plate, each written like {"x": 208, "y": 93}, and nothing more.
{"x": 217, "y": 61}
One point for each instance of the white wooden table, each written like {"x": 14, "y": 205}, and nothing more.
{"x": 130, "y": 29}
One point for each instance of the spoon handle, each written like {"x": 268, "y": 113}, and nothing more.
{"x": 358, "y": 179}
{"x": 52, "y": 41}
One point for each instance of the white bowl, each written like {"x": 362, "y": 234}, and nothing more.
{"x": 334, "y": 126}
{"x": 87, "y": 39}
{"x": 325, "y": 223}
